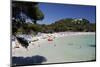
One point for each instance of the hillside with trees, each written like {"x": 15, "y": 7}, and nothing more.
{"x": 74, "y": 25}
{"x": 69, "y": 24}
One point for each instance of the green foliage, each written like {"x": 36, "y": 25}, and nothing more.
{"x": 59, "y": 26}
{"x": 31, "y": 9}
{"x": 70, "y": 24}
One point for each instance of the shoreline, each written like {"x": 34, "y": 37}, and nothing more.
{"x": 44, "y": 36}
{"x": 61, "y": 34}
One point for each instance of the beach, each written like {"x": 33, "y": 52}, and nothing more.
{"x": 65, "y": 47}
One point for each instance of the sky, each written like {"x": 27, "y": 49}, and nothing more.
{"x": 54, "y": 12}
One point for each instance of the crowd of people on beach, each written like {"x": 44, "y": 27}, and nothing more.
{"x": 25, "y": 40}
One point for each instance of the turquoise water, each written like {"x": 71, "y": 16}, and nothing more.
{"x": 80, "y": 40}
{"x": 71, "y": 48}
{"x": 77, "y": 48}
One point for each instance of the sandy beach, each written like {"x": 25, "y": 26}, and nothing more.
{"x": 65, "y": 47}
